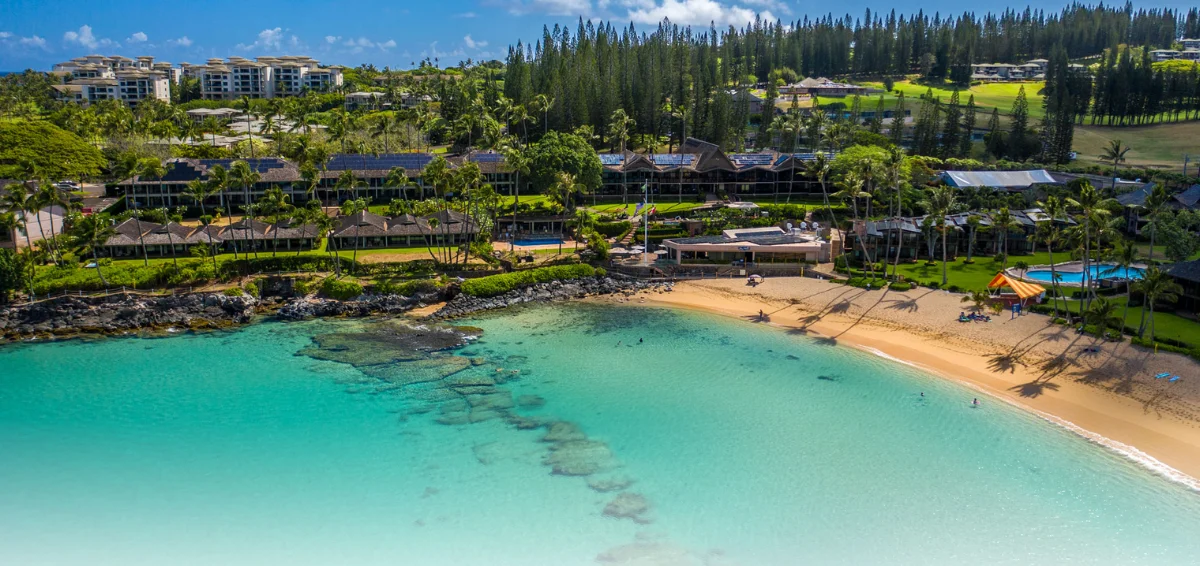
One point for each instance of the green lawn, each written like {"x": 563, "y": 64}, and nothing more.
{"x": 987, "y": 96}
{"x": 1166, "y": 325}
{"x": 969, "y": 276}
{"x": 1159, "y": 146}
{"x": 664, "y": 208}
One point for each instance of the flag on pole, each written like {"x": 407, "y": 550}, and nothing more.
{"x": 638, "y": 209}
{"x": 653, "y": 210}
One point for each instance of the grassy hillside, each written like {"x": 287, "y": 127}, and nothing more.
{"x": 1160, "y": 146}
{"x": 987, "y": 96}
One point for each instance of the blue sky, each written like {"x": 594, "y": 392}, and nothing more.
{"x": 38, "y": 33}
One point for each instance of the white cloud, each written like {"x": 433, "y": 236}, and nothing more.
{"x": 474, "y": 44}
{"x": 551, "y": 7}
{"x": 181, "y": 42}
{"x": 14, "y": 42}
{"x": 138, "y": 37}
{"x": 86, "y": 38}
{"x": 331, "y": 39}
{"x": 270, "y": 39}
{"x": 362, "y": 44}
{"x": 695, "y": 12}
{"x": 465, "y": 15}
{"x": 433, "y": 52}
{"x": 33, "y": 41}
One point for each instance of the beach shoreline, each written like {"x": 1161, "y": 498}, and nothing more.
{"x": 1110, "y": 397}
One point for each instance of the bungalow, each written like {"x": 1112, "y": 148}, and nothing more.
{"x": 365, "y": 101}
{"x": 1134, "y": 202}
{"x": 375, "y": 231}
{"x": 1187, "y": 275}
{"x": 822, "y": 86}
{"x": 751, "y": 246}
{"x": 530, "y": 225}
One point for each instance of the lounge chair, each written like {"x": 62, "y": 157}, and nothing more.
{"x": 1174, "y": 378}
{"x": 1162, "y": 375}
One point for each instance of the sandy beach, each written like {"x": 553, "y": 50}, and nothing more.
{"x": 1110, "y": 396}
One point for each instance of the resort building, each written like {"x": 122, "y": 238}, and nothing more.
{"x": 920, "y": 236}
{"x": 1134, "y": 203}
{"x": 1190, "y": 43}
{"x": 753, "y": 246}
{"x": 448, "y": 227}
{"x": 178, "y": 240}
{"x": 1187, "y": 275}
{"x": 1032, "y": 70}
{"x": 365, "y": 101}
{"x": 822, "y": 87}
{"x": 1001, "y": 180}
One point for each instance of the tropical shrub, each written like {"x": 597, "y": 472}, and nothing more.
{"x": 233, "y": 292}
{"x": 341, "y": 289}
{"x": 900, "y": 286}
{"x": 493, "y": 285}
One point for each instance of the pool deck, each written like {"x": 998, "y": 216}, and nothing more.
{"x": 1069, "y": 267}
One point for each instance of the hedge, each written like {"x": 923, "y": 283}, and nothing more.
{"x": 341, "y": 289}
{"x": 900, "y": 286}
{"x": 613, "y": 229}
{"x": 406, "y": 288}
{"x": 493, "y": 285}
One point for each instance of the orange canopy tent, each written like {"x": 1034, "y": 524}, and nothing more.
{"x": 1022, "y": 289}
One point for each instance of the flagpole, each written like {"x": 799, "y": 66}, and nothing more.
{"x": 646, "y": 223}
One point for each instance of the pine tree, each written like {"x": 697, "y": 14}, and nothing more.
{"x": 964, "y": 144}
{"x": 951, "y": 132}
{"x": 1018, "y": 127}
{"x": 768, "y": 114}
{"x": 875, "y": 126}
{"x": 896, "y": 132}
{"x": 995, "y": 137}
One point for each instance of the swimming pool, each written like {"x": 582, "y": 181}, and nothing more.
{"x": 538, "y": 241}
{"x": 1101, "y": 271}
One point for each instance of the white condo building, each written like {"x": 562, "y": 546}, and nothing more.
{"x": 99, "y": 77}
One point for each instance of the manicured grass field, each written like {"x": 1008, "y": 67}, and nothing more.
{"x": 987, "y": 96}
{"x": 1160, "y": 145}
{"x": 663, "y": 207}
{"x": 1166, "y": 324}
{"x": 970, "y": 276}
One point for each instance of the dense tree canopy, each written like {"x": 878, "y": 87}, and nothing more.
{"x": 563, "y": 153}
{"x": 53, "y": 153}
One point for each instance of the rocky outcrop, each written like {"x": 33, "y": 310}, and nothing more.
{"x": 303, "y": 307}
{"x": 67, "y": 316}
{"x": 463, "y": 304}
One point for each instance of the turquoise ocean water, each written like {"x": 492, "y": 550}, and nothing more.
{"x": 749, "y": 445}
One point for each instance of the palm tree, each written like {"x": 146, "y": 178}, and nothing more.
{"x": 199, "y": 191}
{"x": 1156, "y": 203}
{"x": 819, "y": 168}
{"x": 543, "y": 103}
{"x": 520, "y": 115}
{"x": 1156, "y": 285}
{"x": 565, "y": 186}
{"x": 242, "y": 175}
{"x": 893, "y": 166}
{"x": 347, "y": 181}
{"x": 1102, "y": 313}
{"x": 941, "y": 200}
{"x": 398, "y": 177}
{"x": 973, "y": 222}
{"x": 619, "y": 126}
{"x": 518, "y": 162}
{"x": 977, "y": 299}
{"x": 1115, "y": 153}
{"x": 350, "y": 208}
{"x": 1002, "y": 222}
{"x": 1055, "y": 210}
{"x": 212, "y": 126}
{"x": 1095, "y": 211}
{"x": 246, "y": 107}
{"x": 275, "y": 206}
{"x": 49, "y": 196}
{"x": 18, "y": 203}
{"x": 94, "y": 231}
{"x": 1124, "y": 256}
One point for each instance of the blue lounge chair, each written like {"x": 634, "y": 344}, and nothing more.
{"x": 1162, "y": 375}
{"x": 1174, "y": 378}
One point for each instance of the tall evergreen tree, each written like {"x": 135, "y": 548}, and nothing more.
{"x": 968, "y": 126}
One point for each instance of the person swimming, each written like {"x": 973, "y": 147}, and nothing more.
{"x": 640, "y": 340}
{"x": 922, "y": 393}
{"x": 975, "y": 401}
